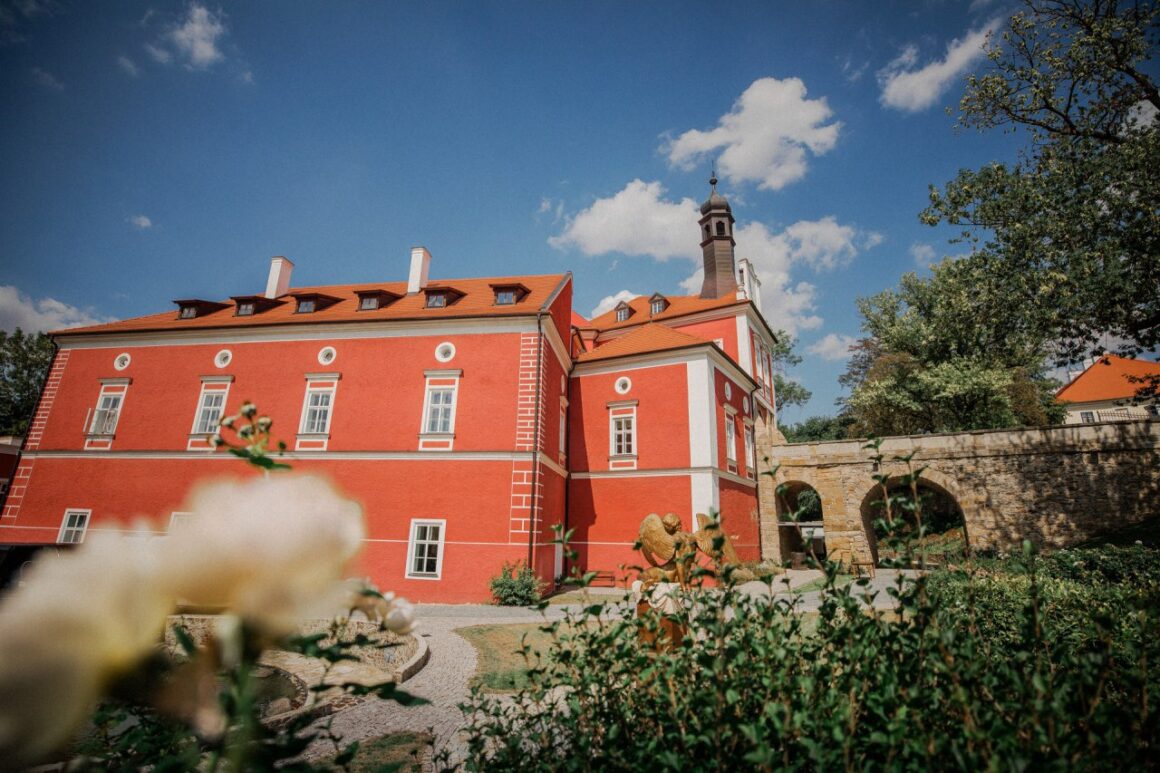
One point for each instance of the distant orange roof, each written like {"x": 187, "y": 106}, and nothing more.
{"x": 477, "y": 300}
{"x": 578, "y": 320}
{"x": 678, "y": 306}
{"x": 644, "y": 340}
{"x": 1108, "y": 379}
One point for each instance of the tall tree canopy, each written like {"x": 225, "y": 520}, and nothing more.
{"x": 786, "y": 391}
{"x": 24, "y": 363}
{"x": 1066, "y": 240}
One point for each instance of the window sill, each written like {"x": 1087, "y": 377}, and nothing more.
{"x": 436, "y": 441}
{"x": 312, "y": 441}
{"x": 421, "y": 577}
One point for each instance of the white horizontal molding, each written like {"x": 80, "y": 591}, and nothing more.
{"x": 478, "y": 456}
{"x": 669, "y": 472}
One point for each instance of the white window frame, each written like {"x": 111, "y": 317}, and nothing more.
{"x": 311, "y": 437}
{"x": 439, "y": 410}
{"x": 439, "y": 382}
{"x": 78, "y": 532}
{"x": 750, "y": 451}
{"x": 209, "y": 390}
{"x": 1087, "y": 417}
{"x": 107, "y": 413}
{"x": 730, "y": 437}
{"x": 413, "y": 543}
{"x": 563, "y": 428}
{"x": 656, "y": 306}
{"x": 629, "y": 447}
{"x": 311, "y": 412}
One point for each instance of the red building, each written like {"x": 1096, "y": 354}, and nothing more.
{"x": 469, "y": 416}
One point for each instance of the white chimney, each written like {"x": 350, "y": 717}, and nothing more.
{"x": 279, "y": 281}
{"x": 420, "y": 267}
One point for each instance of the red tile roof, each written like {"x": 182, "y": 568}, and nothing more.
{"x": 646, "y": 339}
{"x": 679, "y": 305}
{"x": 478, "y": 300}
{"x": 1108, "y": 379}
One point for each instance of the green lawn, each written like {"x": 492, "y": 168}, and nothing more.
{"x": 398, "y": 751}
{"x": 500, "y": 666}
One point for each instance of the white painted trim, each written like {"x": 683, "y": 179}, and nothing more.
{"x": 449, "y": 435}
{"x": 700, "y": 412}
{"x": 64, "y": 524}
{"x": 333, "y": 390}
{"x": 445, "y": 373}
{"x": 744, "y": 354}
{"x": 333, "y": 331}
{"x": 669, "y": 472}
{"x": 416, "y": 522}
{"x": 334, "y": 456}
{"x": 705, "y": 493}
{"x": 545, "y": 460}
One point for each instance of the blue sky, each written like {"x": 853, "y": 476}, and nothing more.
{"x": 159, "y": 150}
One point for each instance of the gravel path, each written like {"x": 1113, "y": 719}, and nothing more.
{"x": 443, "y": 681}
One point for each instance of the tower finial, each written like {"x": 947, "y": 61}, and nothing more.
{"x": 713, "y": 176}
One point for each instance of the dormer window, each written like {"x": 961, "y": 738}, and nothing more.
{"x": 249, "y": 305}
{"x": 372, "y": 300}
{"x": 509, "y": 294}
{"x": 623, "y": 312}
{"x": 192, "y": 308}
{"x": 436, "y": 300}
{"x": 657, "y": 304}
{"x": 308, "y": 303}
{"x": 441, "y": 297}
{"x": 245, "y": 309}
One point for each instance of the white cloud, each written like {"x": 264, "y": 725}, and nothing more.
{"x": 140, "y": 221}
{"x": 764, "y": 137}
{"x": 127, "y": 64}
{"x": 638, "y": 220}
{"x": 923, "y": 254}
{"x": 158, "y": 53}
{"x": 17, "y": 310}
{"x": 635, "y": 221}
{"x": 1142, "y": 115}
{"x": 909, "y": 89}
{"x": 46, "y": 79}
{"x": 610, "y": 302}
{"x": 833, "y": 347}
{"x": 196, "y": 37}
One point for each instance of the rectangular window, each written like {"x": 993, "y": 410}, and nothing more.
{"x": 623, "y": 435}
{"x": 730, "y": 438}
{"x": 245, "y": 309}
{"x": 316, "y": 413}
{"x": 436, "y": 300}
{"x": 505, "y": 297}
{"x": 563, "y": 432}
{"x": 623, "y": 314}
{"x": 750, "y": 454}
{"x": 425, "y": 552}
{"x": 440, "y": 402}
{"x": 657, "y": 306}
{"x": 1087, "y": 417}
{"x": 107, "y": 413}
{"x": 188, "y": 312}
{"x": 209, "y": 412}
{"x": 306, "y": 305}
{"x": 73, "y": 527}
{"x": 368, "y": 303}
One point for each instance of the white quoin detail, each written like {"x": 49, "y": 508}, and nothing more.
{"x": 279, "y": 281}
{"x": 420, "y": 268}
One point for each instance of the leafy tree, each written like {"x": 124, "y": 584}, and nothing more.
{"x": 1067, "y": 238}
{"x": 786, "y": 391}
{"x": 816, "y": 428}
{"x": 24, "y": 363}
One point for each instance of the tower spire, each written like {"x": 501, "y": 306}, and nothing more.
{"x": 717, "y": 244}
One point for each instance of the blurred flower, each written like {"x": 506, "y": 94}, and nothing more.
{"x": 401, "y": 618}
{"x": 83, "y": 618}
{"x": 264, "y": 423}
{"x": 248, "y": 410}
{"x": 395, "y": 614}
{"x": 270, "y": 550}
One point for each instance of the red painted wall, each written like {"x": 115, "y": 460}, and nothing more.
{"x": 739, "y": 519}
{"x": 725, "y": 329}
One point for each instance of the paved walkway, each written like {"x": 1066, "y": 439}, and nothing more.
{"x": 444, "y": 680}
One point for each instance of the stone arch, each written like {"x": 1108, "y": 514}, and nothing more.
{"x": 946, "y": 497}
{"x": 806, "y": 538}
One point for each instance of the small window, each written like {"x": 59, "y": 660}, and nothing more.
{"x": 657, "y": 306}
{"x": 316, "y": 413}
{"x": 720, "y": 228}
{"x": 1087, "y": 417}
{"x": 188, "y": 312}
{"x": 436, "y": 300}
{"x": 245, "y": 309}
{"x": 425, "y": 556}
{"x": 563, "y": 432}
{"x": 306, "y": 305}
{"x": 505, "y": 297}
{"x": 73, "y": 527}
{"x": 440, "y": 405}
{"x": 209, "y": 412}
{"x": 105, "y": 417}
{"x": 623, "y": 313}
{"x": 730, "y": 439}
{"x": 368, "y": 303}
{"x": 623, "y": 435}
{"x": 750, "y": 454}
{"x": 1154, "y": 409}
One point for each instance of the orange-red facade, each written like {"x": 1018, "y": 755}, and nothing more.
{"x": 468, "y": 429}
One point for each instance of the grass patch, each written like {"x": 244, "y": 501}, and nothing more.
{"x": 500, "y": 667}
{"x": 398, "y": 751}
{"x": 578, "y": 596}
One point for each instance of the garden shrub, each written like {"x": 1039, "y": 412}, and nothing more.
{"x": 516, "y": 586}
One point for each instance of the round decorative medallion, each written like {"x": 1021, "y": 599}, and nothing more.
{"x": 326, "y": 355}
{"x": 623, "y": 384}
{"x": 122, "y": 360}
{"x": 223, "y": 358}
{"x": 745, "y": 405}
{"x": 445, "y": 352}
{"x": 728, "y": 392}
